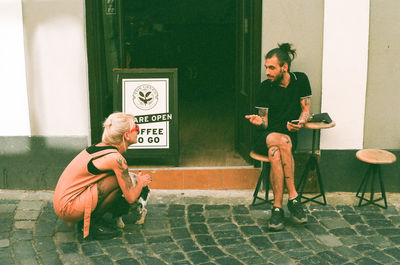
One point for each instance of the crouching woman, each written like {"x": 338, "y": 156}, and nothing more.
{"x": 97, "y": 180}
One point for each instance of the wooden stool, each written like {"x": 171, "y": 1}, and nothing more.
{"x": 264, "y": 177}
{"x": 374, "y": 157}
{"x": 313, "y": 164}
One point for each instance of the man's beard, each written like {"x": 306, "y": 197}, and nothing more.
{"x": 278, "y": 79}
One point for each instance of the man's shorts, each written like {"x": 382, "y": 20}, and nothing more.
{"x": 260, "y": 144}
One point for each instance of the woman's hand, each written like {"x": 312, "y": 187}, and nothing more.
{"x": 143, "y": 179}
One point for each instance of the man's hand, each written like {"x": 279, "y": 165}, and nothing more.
{"x": 143, "y": 179}
{"x": 294, "y": 127}
{"x": 254, "y": 119}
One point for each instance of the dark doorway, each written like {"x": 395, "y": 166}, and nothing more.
{"x": 198, "y": 38}
{"x": 216, "y": 47}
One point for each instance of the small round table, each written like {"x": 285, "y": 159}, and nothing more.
{"x": 313, "y": 162}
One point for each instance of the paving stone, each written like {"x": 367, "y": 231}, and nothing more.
{"x": 334, "y": 223}
{"x": 205, "y": 240}
{"x": 165, "y": 247}
{"x": 128, "y": 261}
{"x": 329, "y": 240}
{"x": 260, "y": 242}
{"x": 280, "y": 236}
{"x": 159, "y": 239}
{"x": 217, "y": 213}
{"x": 28, "y": 261}
{"x": 23, "y": 250}
{"x": 301, "y": 233}
{"x": 251, "y": 230}
{"x": 395, "y": 220}
{"x": 314, "y": 245}
{"x": 325, "y": 214}
{"x": 4, "y": 243}
{"x": 25, "y": 225}
{"x": 172, "y": 257}
{"x": 177, "y": 222}
{"x": 394, "y": 252}
{"x": 49, "y": 258}
{"x": 379, "y": 241}
{"x": 332, "y": 257}
{"x": 75, "y": 259}
{"x": 346, "y": 252}
{"x": 134, "y": 239}
{"x": 389, "y": 231}
{"x": 195, "y": 208}
{"x": 373, "y": 216}
{"x": 219, "y": 220}
{"x": 228, "y": 261}
{"x": 91, "y": 249}
{"x": 243, "y": 219}
{"x": 288, "y": 245}
{"x": 7, "y": 209}
{"x": 43, "y": 244}
{"x": 299, "y": 253}
{"x": 364, "y": 247}
{"x": 198, "y": 257}
{"x": 316, "y": 229}
{"x": 30, "y": 205}
{"x": 102, "y": 260}
{"x": 240, "y": 209}
{"x": 353, "y": 219}
{"x": 21, "y": 235}
{"x": 118, "y": 252}
{"x": 223, "y": 227}
{"x": 255, "y": 260}
{"x": 367, "y": 261}
{"x": 352, "y": 240}
{"x": 237, "y": 249}
{"x": 196, "y": 218}
{"x": 342, "y": 231}
{"x": 213, "y": 252}
{"x": 26, "y": 215}
{"x": 111, "y": 242}
{"x": 281, "y": 259}
{"x": 226, "y": 234}
{"x": 199, "y": 229}
{"x": 365, "y": 230}
{"x": 314, "y": 260}
{"x": 367, "y": 209}
{"x": 218, "y": 207}
{"x": 381, "y": 257}
{"x": 188, "y": 245}
{"x": 180, "y": 233}
{"x": 230, "y": 241}
{"x": 380, "y": 223}
{"x": 345, "y": 209}
{"x": 67, "y": 248}
{"x": 65, "y": 237}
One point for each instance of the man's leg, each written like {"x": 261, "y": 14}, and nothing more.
{"x": 276, "y": 175}
{"x": 284, "y": 144}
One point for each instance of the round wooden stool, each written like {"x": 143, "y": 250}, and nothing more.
{"x": 375, "y": 158}
{"x": 264, "y": 178}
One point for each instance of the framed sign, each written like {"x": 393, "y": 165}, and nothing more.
{"x": 151, "y": 96}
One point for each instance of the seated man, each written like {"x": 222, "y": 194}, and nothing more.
{"x": 283, "y": 103}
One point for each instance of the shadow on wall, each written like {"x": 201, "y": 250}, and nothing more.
{"x": 36, "y": 163}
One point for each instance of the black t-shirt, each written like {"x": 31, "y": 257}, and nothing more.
{"x": 283, "y": 103}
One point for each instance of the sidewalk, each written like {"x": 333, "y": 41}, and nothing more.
{"x": 204, "y": 227}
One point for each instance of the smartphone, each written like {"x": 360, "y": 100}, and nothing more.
{"x": 294, "y": 121}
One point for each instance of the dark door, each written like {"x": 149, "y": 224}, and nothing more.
{"x": 249, "y": 16}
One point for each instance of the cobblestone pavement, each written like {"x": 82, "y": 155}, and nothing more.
{"x": 196, "y": 231}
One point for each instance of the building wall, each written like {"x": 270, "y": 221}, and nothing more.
{"x": 382, "y": 112}
{"x": 302, "y": 25}
{"x": 44, "y": 108}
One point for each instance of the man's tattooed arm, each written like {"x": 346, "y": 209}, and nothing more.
{"x": 123, "y": 166}
{"x": 305, "y": 109}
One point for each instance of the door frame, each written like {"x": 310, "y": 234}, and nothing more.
{"x": 248, "y": 70}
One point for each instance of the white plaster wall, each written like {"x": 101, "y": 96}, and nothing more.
{"x": 344, "y": 74}
{"x": 14, "y": 113}
{"x": 57, "y": 78}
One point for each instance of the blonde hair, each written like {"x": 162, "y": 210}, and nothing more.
{"x": 115, "y": 126}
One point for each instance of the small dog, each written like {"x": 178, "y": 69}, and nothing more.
{"x": 141, "y": 203}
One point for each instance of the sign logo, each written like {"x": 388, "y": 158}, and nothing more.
{"x": 145, "y": 97}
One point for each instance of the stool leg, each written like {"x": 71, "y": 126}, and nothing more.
{"x": 374, "y": 173}
{"x": 364, "y": 184}
{"x": 302, "y": 182}
{"x": 262, "y": 179}
{"x": 363, "y": 181}
{"x": 267, "y": 180}
{"x": 321, "y": 186}
{"x": 255, "y": 194}
{"x": 382, "y": 186}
